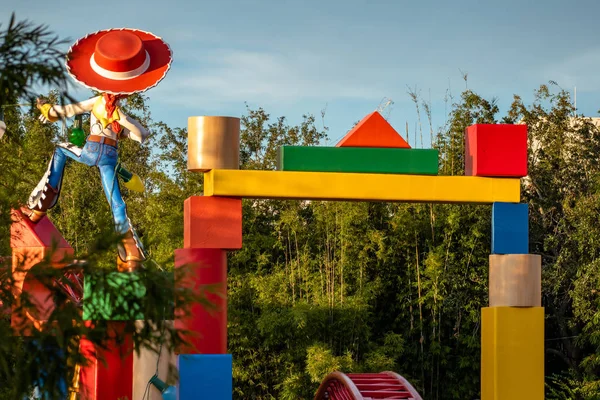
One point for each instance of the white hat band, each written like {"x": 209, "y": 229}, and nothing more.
{"x": 120, "y": 76}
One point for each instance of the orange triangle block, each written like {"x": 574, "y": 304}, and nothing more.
{"x": 373, "y": 131}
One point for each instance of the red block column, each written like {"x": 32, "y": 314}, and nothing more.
{"x": 212, "y": 225}
{"x": 109, "y": 372}
{"x": 205, "y": 271}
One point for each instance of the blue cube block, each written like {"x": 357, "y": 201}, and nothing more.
{"x": 205, "y": 376}
{"x": 510, "y": 228}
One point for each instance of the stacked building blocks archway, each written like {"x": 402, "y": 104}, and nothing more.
{"x": 373, "y": 163}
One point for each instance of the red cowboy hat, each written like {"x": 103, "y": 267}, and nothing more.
{"x": 119, "y": 61}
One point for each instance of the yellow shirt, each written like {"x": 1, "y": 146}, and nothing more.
{"x": 99, "y": 111}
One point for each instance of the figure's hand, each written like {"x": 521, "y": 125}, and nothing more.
{"x": 40, "y": 102}
{"x": 43, "y": 119}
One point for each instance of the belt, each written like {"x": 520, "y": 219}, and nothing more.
{"x": 102, "y": 139}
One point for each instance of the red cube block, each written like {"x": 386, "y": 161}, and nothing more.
{"x": 212, "y": 222}
{"x": 496, "y": 150}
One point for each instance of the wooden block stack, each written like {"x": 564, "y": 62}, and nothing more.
{"x": 512, "y": 331}
{"x": 211, "y": 227}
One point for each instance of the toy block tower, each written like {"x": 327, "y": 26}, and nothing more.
{"x": 512, "y": 332}
{"x": 211, "y": 227}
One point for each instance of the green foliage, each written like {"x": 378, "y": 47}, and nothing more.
{"x": 29, "y": 55}
{"x": 359, "y": 287}
{"x": 320, "y": 361}
{"x": 565, "y": 387}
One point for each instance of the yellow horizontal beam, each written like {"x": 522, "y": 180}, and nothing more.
{"x": 366, "y": 187}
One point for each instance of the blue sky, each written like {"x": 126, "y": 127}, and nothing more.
{"x": 300, "y": 57}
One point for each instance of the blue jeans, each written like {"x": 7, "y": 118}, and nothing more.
{"x": 102, "y": 156}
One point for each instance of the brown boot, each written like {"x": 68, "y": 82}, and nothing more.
{"x": 131, "y": 253}
{"x": 41, "y": 201}
{"x": 33, "y": 215}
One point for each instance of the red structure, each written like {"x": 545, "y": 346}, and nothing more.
{"x": 496, "y": 150}
{"x": 212, "y": 225}
{"x": 205, "y": 271}
{"x": 30, "y": 244}
{"x": 109, "y": 372}
{"x": 383, "y": 385}
{"x": 212, "y": 222}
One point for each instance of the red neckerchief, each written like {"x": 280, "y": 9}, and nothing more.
{"x": 111, "y": 106}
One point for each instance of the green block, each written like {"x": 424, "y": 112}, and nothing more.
{"x": 113, "y": 296}
{"x": 375, "y": 160}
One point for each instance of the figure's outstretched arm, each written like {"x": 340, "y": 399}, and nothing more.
{"x": 132, "y": 128}
{"x": 52, "y": 112}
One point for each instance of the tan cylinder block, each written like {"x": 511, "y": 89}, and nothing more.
{"x": 213, "y": 143}
{"x": 515, "y": 280}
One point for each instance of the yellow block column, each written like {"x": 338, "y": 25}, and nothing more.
{"x": 512, "y": 353}
{"x": 512, "y": 330}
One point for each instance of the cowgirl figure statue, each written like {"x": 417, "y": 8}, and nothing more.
{"x": 117, "y": 63}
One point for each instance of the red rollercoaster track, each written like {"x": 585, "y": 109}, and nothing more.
{"x": 383, "y": 385}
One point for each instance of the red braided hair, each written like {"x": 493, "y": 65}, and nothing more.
{"x": 111, "y": 106}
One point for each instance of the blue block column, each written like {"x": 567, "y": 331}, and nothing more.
{"x": 205, "y": 376}
{"x": 510, "y": 228}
